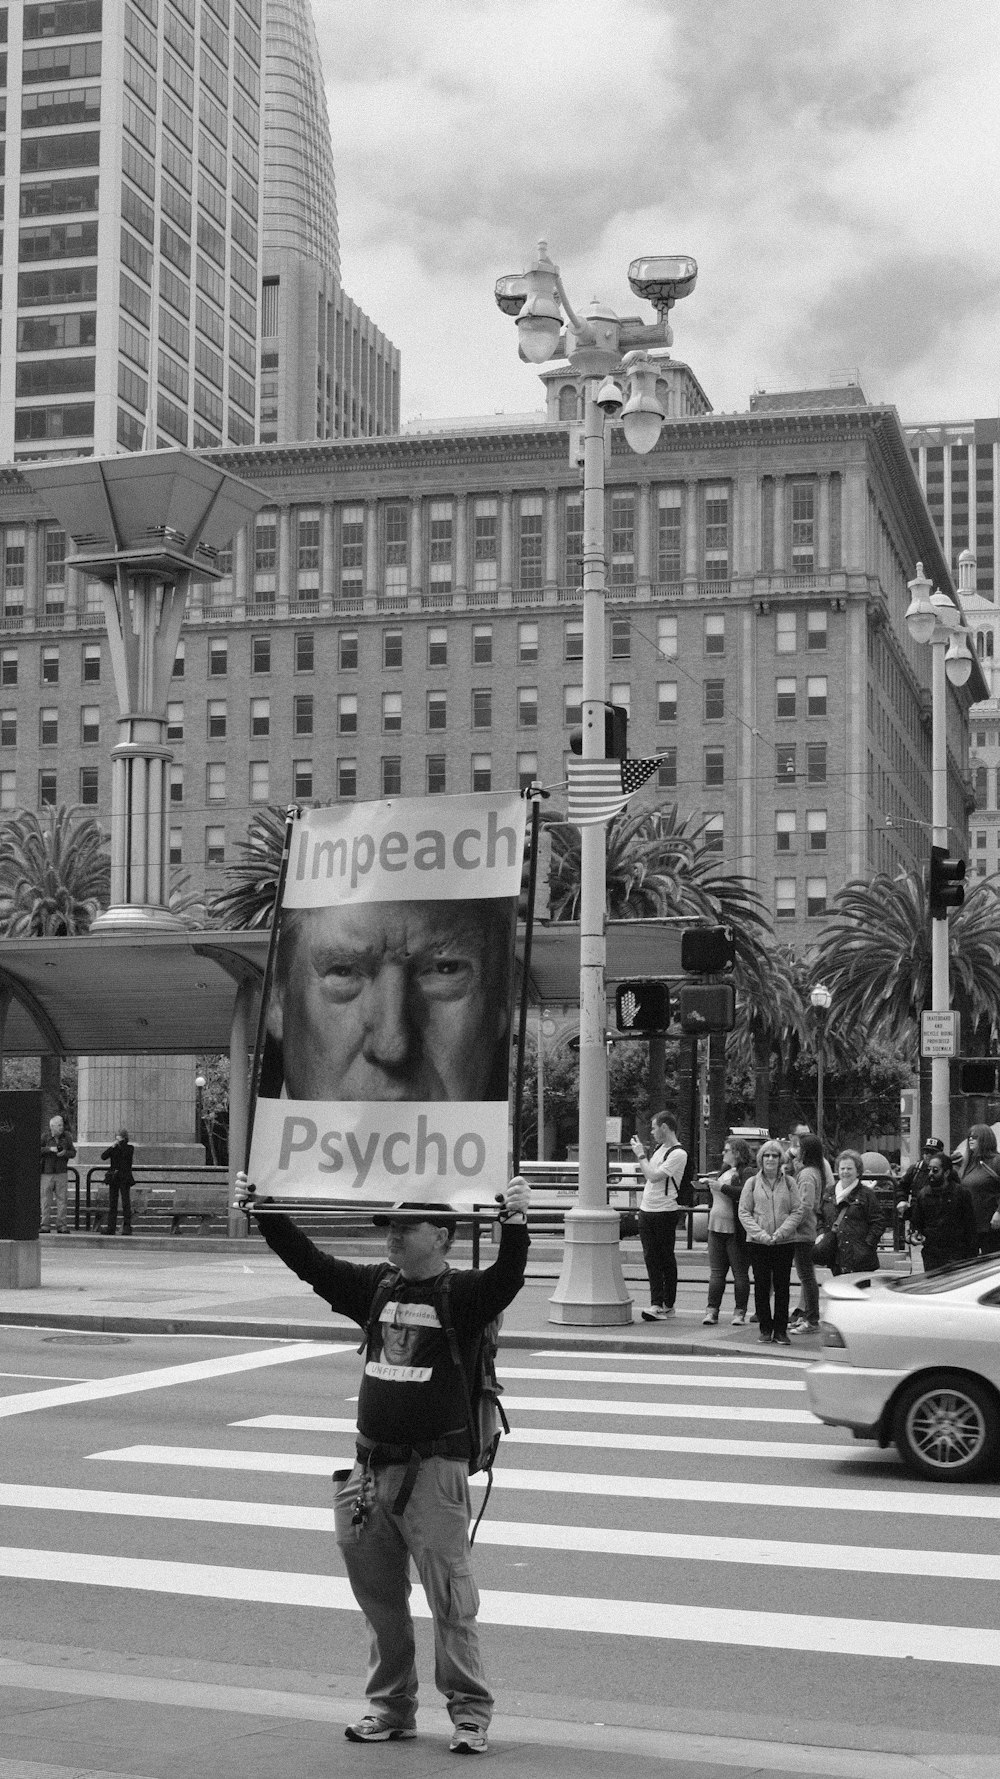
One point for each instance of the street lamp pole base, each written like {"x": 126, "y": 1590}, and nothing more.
{"x": 591, "y": 1290}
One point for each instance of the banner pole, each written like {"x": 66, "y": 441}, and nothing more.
{"x": 522, "y": 1024}
{"x": 265, "y": 994}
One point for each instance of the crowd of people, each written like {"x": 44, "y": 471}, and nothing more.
{"x": 785, "y": 1206}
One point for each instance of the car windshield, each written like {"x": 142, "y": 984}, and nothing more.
{"x": 951, "y": 1277}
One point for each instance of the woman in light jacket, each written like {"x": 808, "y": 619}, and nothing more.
{"x": 770, "y": 1212}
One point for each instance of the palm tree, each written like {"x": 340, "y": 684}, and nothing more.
{"x": 248, "y": 901}
{"x": 875, "y": 955}
{"x": 55, "y": 873}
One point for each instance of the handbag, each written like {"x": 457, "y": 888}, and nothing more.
{"x": 825, "y": 1248}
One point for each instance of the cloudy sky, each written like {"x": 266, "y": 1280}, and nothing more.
{"x": 832, "y": 168}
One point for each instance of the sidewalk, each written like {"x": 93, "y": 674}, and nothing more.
{"x": 187, "y": 1285}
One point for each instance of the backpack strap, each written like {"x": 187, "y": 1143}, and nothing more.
{"x": 442, "y": 1304}
{"x": 383, "y": 1292}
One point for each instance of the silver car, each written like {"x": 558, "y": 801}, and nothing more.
{"x": 915, "y": 1362}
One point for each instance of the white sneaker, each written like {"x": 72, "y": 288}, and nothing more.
{"x": 709, "y": 1320}
{"x": 656, "y": 1313}
{"x": 468, "y": 1738}
{"x": 739, "y": 1318}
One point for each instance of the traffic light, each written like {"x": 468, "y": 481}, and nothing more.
{"x": 705, "y": 1007}
{"x": 642, "y": 1007}
{"x": 979, "y": 1077}
{"x": 707, "y": 951}
{"x": 945, "y": 883}
{"x": 615, "y": 733}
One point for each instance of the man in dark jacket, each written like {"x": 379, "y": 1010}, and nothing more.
{"x": 942, "y": 1212}
{"x": 408, "y": 1493}
{"x": 58, "y": 1150}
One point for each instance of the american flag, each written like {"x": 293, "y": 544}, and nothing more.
{"x": 599, "y": 789}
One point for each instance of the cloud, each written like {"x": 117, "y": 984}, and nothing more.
{"x": 833, "y": 169}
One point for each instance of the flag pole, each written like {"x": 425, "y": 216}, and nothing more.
{"x": 522, "y": 1024}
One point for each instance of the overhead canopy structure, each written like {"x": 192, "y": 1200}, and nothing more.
{"x": 121, "y": 993}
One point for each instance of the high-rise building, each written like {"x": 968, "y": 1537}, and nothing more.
{"x": 134, "y": 179}
{"x": 958, "y": 467}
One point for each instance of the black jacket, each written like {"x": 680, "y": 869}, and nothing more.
{"x": 944, "y": 1216}
{"x": 982, "y": 1182}
{"x": 120, "y": 1156}
{"x": 859, "y": 1223}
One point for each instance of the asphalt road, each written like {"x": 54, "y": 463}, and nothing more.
{"x": 680, "y": 1570}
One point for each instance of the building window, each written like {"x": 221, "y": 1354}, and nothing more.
{"x": 175, "y": 722}
{"x": 50, "y": 667}
{"x": 816, "y": 696}
{"x": 622, "y": 540}
{"x": 352, "y": 551}
{"x": 803, "y": 522}
{"x": 621, "y": 639}
{"x": 621, "y": 695}
{"x": 482, "y": 772}
{"x": 392, "y": 775}
{"x": 392, "y": 712}
{"x": 437, "y": 648}
{"x": 785, "y": 638}
{"x": 307, "y": 565}
{"x": 215, "y": 783}
{"x": 527, "y": 771}
{"x": 573, "y": 706}
{"x": 527, "y": 642}
{"x": 530, "y": 574}
{"x": 260, "y": 716}
{"x": 88, "y": 786}
{"x": 715, "y": 634}
{"x": 8, "y": 728}
{"x": 176, "y": 784}
{"x": 784, "y": 762}
{"x": 435, "y": 774}
{"x": 397, "y": 531}
{"x": 816, "y": 829}
{"x": 217, "y": 719}
{"x": 175, "y": 851}
{"x": 527, "y": 707}
{"x": 265, "y": 553}
{"x": 816, "y": 762}
{"x": 666, "y": 701}
{"x": 8, "y": 667}
{"x": 215, "y": 846}
{"x": 347, "y": 779}
{"x": 715, "y": 767}
{"x": 302, "y": 779}
{"x": 392, "y": 648}
{"x": 46, "y": 789}
{"x": 667, "y": 771}
{"x": 573, "y": 542}
{"x": 177, "y": 671}
{"x": 815, "y": 896}
{"x": 784, "y": 898}
{"x": 260, "y": 654}
{"x": 302, "y": 715}
{"x": 715, "y": 833}
{"x": 305, "y": 651}
{"x": 347, "y": 713}
{"x": 347, "y": 650}
{"x": 717, "y": 534}
{"x": 666, "y": 638}
{"x": 8, "y": 790}
{"x": 784, "y": 830}
{"x": 482, "y": 708}
{"x": 482, "y": 645}
{"x": 484, "y": 547}
{"x": 90, "y": 723}
{"x": 785, "y": 697}
{"x": 218, "y": 659}
{"x": 437, "y": 710}
{"x": 715, "y": 700}
{"x": 816, "y": 630}
{"x": 669, "y": 547}
{"x": 573, "y": 639}
{"x": 441, "y": 544}
{"x": 48, "y": 726}
{"x": 91, "y": 664}
{"x": 260, "y": 781}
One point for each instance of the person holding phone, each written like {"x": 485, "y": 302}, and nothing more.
{"x": 659, "y": 1210}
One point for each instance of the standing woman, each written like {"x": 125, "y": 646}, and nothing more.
{"x": 811, "y": 1185}
{"x": 860, "y": 1219}
{"x": 121, "y": 1179}
{"x": 658, "y": 1213}
{"x": 980, "y": 1175}
{"x": 770, "y": 1212}
{"x": 727, "y": 1242}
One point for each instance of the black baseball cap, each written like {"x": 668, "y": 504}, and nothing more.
{"x": 933, "y": 1146}
{"x": 410, "y": 1210}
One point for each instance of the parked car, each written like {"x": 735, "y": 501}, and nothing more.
{"x": 915, "y": 1362}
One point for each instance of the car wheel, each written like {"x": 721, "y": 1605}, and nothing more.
{"x": 947, "y": 1427}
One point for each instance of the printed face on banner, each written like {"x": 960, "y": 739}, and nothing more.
{"x": 389, "y": 1014}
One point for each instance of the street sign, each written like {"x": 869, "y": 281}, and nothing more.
{"x": 939, "y": 1034}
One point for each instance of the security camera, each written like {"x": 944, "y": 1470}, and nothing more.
{"x": 609, "y": 398}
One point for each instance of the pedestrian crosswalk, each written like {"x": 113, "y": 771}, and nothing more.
{"x": 757, "y": 1538}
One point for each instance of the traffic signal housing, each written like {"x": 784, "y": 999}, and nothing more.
{"x": 615, "y": 734}
{"x": 946, "y": 886}
{"x": 642, "y": 1007}
{"x": 979, "y": 1077}
{"x": 707, "y": 951}
{"x": 705, "y": 1007}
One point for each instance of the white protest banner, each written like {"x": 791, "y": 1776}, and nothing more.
{"x": 387, "y": 1025}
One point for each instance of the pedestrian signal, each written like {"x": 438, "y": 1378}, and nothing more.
{"x": 642, "y": 1007}
{"x": 946, "y": 887}
{"x": 705, "y": 1007}
{"x": 979, "y": 1078}
{"x": 707, "y": 951}
{"x": 615, "y": 734}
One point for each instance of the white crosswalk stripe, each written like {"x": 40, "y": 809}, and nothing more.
{"x": 692, "y": 1468}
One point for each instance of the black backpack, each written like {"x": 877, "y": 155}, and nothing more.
{"x": 685, "y": 1188}
{"x": 485, "y": 1415}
